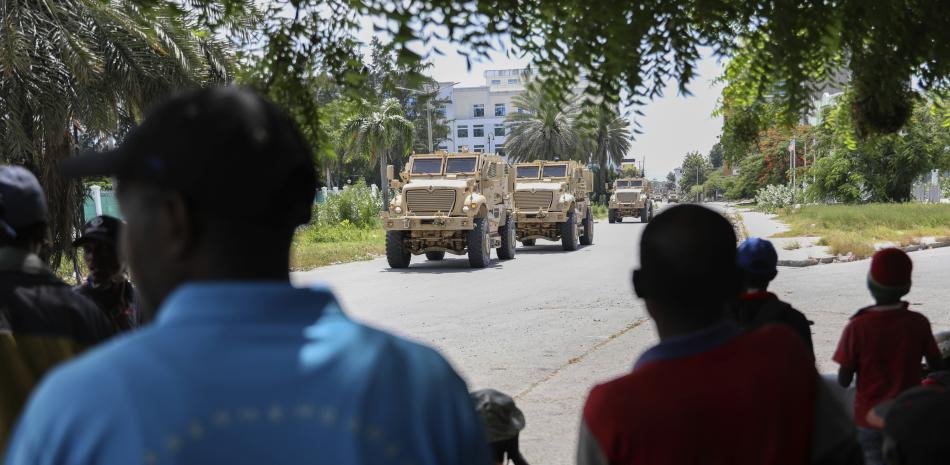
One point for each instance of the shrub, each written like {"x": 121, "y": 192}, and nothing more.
{"x": 776, "y": 197}
{"x": 356, "y": 205}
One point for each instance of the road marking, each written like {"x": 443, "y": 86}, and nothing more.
{"x": 581, "y": 357}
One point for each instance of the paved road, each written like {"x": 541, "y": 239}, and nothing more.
{"x": 548, "y": 325}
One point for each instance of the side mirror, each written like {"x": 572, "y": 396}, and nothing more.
{"x": 390, "y": 172}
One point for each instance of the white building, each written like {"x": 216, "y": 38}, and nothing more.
{"x": 476, "y": 115}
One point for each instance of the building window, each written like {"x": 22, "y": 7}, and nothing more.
{"x": 500, "y": 150}
{"x": 512, "y": 82}
{"x": 499, "y": 109}
{"x": 478, "y": 110}
{"x": 499, "y": 130}
{"x": 479, "y": 148}
{"x": 463, "y": 131}
{"x": 519, "y": 110}
{"x": 496, "y": 82}
{"x": 443, "y": 109}
{"x": 443, "y": 147}
{"x": 478, "y": 130}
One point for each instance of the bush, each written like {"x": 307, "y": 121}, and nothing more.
{"x": 356, "y": 205}
{"x": 776, "y": 197}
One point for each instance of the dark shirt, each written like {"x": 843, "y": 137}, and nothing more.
{"x": 115, "y": 299}
{"x": 42, "y": 323}
{"x": 756, "y": 309}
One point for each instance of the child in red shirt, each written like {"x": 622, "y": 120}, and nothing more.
{"x": 884, "y": 345}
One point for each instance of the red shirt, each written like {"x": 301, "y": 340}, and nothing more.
{"x": 885, "y": 348}
{"x": 747, "y": 401}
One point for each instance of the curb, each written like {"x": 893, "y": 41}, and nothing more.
{"x": 827, "y": 260}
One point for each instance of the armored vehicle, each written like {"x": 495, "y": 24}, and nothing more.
{"x": 552, "y": 202}
{"x": 629, "y": 196}
{"x": 458, "y": 203}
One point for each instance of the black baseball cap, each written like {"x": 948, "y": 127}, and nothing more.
{"x": 229, "y": 151}
{"x": 102, "y": 228}
{"x": 919, "y": 421}
{"x": 22, "y": 202}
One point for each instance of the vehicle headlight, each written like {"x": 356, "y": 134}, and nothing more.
{"x": 613, "y": 198}
{"x": 398, "y": 210}
{"x": 473, "y": 205}
{"x": 465, "y": 209}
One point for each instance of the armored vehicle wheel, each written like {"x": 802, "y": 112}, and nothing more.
{"x": 508, "y": 239}
{"x": 612, "y": 216}
{"x": 587, "y": 235}
{"x": 436, "y": 255}
{"x": 646, "y": 213}
{"x": 569, "y": 232}
{"x": 479, "y": 246}
{"x": 527, "y": 242}
{"x": 397, "y": 254}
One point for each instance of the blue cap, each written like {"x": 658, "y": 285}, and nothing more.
{"x": 22, "y": 202}
{"x": 757, "y": 256}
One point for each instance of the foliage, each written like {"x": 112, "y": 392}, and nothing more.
{"x": 611, "y": 141}
{"x": 748, "y": 181}
{"x": 945, "y": 187}
{"x": 86, "y": 70}
{"x": 356, "y": 205}
{"x": 600, "y": 211}
{"x": 545, "y": 129}
{"x": 716, "y": 155}
{"x": 717, "y": 183}
{"x": 775, "y": 197}
{"x": 695, "y": 171}
{"x": 671, "y": 177}
{"x": 376, "y": 131}
{"x": 321, "y": 245}
{"x": 855, "y": 228}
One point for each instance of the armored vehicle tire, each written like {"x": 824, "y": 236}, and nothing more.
{"x": 645, "y": 213}
{"x": 479, "y": 247}
{"x": 436, "y": 255}
{"x": 612, "y": 216}
{"x": 527, "y": 242}
{"x": 587, "y": 236}
{"x": 508, "y": 239}
{"x": 569, "y": 232}
{"x": 397, "y": 254}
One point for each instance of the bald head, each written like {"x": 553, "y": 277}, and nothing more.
{"x": 688, "y": 258}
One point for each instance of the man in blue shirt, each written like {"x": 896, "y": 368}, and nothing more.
{"x": 238, "y": 367}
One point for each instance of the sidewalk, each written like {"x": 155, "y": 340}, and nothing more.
{"x": 792, "y": 251}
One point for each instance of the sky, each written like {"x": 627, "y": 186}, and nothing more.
{"x": 671, "y": 125}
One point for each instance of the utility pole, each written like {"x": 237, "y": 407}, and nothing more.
{"x": 429, "y": 122}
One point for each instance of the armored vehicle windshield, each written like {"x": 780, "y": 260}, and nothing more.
{"x": 459, "y": 165}
{"x": 554, "y": 171}
{"x": 528, "y": 172}
{"x": 629, "y": 184}
{"x": 427, "y": 166}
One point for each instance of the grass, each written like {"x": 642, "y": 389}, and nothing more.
{"x": 600, "y": 211}
{"x": 316, "y": 246}
{"x": 856, "y": 228}
{"x": 792, "y": 245}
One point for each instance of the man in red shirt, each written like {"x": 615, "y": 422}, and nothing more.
{"x": 710, "y": 393}
{"x": 884, "y": 345}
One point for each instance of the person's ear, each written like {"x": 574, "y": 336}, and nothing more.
{"x": 639, "y": 285}
{"x": 176, "y": 225}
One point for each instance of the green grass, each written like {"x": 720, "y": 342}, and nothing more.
{"x": 600, "y": 211}
{"x": 316, "y": 246}
{"x": 855, "y": 228}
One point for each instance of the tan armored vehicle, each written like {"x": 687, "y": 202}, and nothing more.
{"x": 450, "y": 202}
{"x": 630, "y": 196}
{"x": 552, "y": 202}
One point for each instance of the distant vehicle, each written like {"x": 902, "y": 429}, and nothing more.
{"x": 552, "y": 201}
{"x": 673, "y": 198}
{"x": 458, "y": 203}
{"x": 629, "y": 196}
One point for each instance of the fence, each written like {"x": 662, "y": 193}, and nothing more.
{"x": 927, "y": 189}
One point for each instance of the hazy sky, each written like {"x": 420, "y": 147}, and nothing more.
{"x": 672, "y": 125}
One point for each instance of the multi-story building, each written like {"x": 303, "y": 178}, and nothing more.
{"x": 476, "y": 115}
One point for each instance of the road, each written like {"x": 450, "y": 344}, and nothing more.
{"x": 548, "y": 325}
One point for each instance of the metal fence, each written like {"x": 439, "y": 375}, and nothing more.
{"x": 927, "y": 188}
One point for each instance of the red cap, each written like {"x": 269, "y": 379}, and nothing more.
{"x": 891, "y": 268}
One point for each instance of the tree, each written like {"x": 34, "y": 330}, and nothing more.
{"x": 75, "y": 69}
{"x": 376, "y": 131}
{"x": 546, "y": 129}
{"x": 671, "y": 177}
{"x": 716, "y": 155}
{"x": 785, "y": 48}
{"x": 611, "y": 135}
{"x": 695, "y": 171}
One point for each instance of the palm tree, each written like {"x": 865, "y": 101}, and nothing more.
{"x": 89, "y": 67}
{"x": 377, "y": 131}
{"x": 610, "y": 133}
{"x": 544, "y": 128}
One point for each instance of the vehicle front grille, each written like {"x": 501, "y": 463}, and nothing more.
{"x": 627, "y": 196}
{"x": 527, "y": 200}
{"x": 423, "y": 201}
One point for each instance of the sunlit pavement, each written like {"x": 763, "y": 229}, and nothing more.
{"x": 549, "y": 324}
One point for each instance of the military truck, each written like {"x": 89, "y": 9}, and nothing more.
{"x": 552, "y": 202}
{"x": 629, "y": 196}
{"x": 458, "y": 203}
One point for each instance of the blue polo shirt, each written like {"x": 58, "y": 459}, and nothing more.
{"x": 252, "y": 373}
